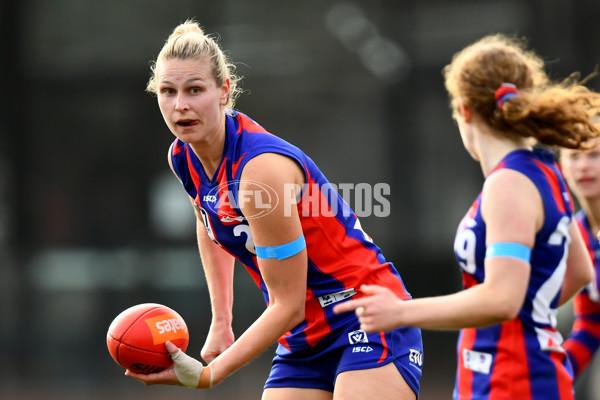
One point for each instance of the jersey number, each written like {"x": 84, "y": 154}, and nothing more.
{"x": 464, "y": 247}
{"x": 245, "y": 229}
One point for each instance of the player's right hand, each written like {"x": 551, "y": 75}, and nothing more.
{"x": 379, "y": 311}
{"x": 188, "y": 370}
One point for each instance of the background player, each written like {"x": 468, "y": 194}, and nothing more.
{"x": 520, "y": 255}
{"x": 581, "y": 169}
{"x": 305, "y": 256}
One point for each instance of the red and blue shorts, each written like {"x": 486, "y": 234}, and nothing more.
{"x": 352, "y": 349}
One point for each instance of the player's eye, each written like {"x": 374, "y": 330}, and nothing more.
{"x": 594, "y": 154}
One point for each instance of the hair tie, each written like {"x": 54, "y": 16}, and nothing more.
{"x": 505, "y": 92}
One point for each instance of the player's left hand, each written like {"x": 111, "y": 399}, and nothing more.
{"x": 187, "y": 371}
{"x": 379, "y": 311}
{"x": 220, "y": 337}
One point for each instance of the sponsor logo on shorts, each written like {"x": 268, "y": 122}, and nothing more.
{"x": 166, "y": 327}
{"x": 358, "y": 337}
{"x": 362, "y": 349}
{"x": 416, "y": 357}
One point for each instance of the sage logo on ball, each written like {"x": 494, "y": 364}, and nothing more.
{"x": 166, "y": 327}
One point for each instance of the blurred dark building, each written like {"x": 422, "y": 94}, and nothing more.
{"x": 92, "y": 220}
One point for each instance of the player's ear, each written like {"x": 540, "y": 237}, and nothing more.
{"x": 225, "y": 89}
{"x": 463, "y": 110}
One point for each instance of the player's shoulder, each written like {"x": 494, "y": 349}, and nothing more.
{"x": 510, "y": 189}
{"x": 245, "y": 123}
{"x": 507, "y": 179}
{"x": 269, "y": 166}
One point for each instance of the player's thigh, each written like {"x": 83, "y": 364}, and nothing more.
{"x": 382, "y": 383}
{"x": 296, "y": 394}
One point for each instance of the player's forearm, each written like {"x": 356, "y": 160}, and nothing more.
{"x": 220, "y": 289}
{"x": 474, "y": 307}
{"x": 218, "y": 270}
{"x": 572, "y": 285}
{"x": 266, "y": 330}
{"x": 580, "y": 270}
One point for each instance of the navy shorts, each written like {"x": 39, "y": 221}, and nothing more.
{"x": 353, "y": 349}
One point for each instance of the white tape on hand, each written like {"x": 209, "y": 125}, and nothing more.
{"x": 187, "y": 369}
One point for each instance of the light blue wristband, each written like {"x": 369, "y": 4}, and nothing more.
{"x": 516, "y": 250}
{"x": 283, "y": 251}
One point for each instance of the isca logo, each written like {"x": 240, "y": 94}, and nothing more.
{"x": 166, "y": 327}
{"x": 362, "y": 349}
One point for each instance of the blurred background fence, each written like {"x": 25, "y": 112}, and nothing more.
{"x": 92, "y": 220}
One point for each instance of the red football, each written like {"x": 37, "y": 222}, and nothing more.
{"x": 136, "y": 337}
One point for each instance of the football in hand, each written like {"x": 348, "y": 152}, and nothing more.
{"x": 136, "y": 337}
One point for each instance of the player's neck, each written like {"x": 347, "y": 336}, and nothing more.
{"x": 210, "y": 152}
{"x": 493, "y": 148}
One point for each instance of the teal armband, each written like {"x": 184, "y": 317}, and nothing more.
{"x": 516, "y": 250}
{"x": 283, "y": 251}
